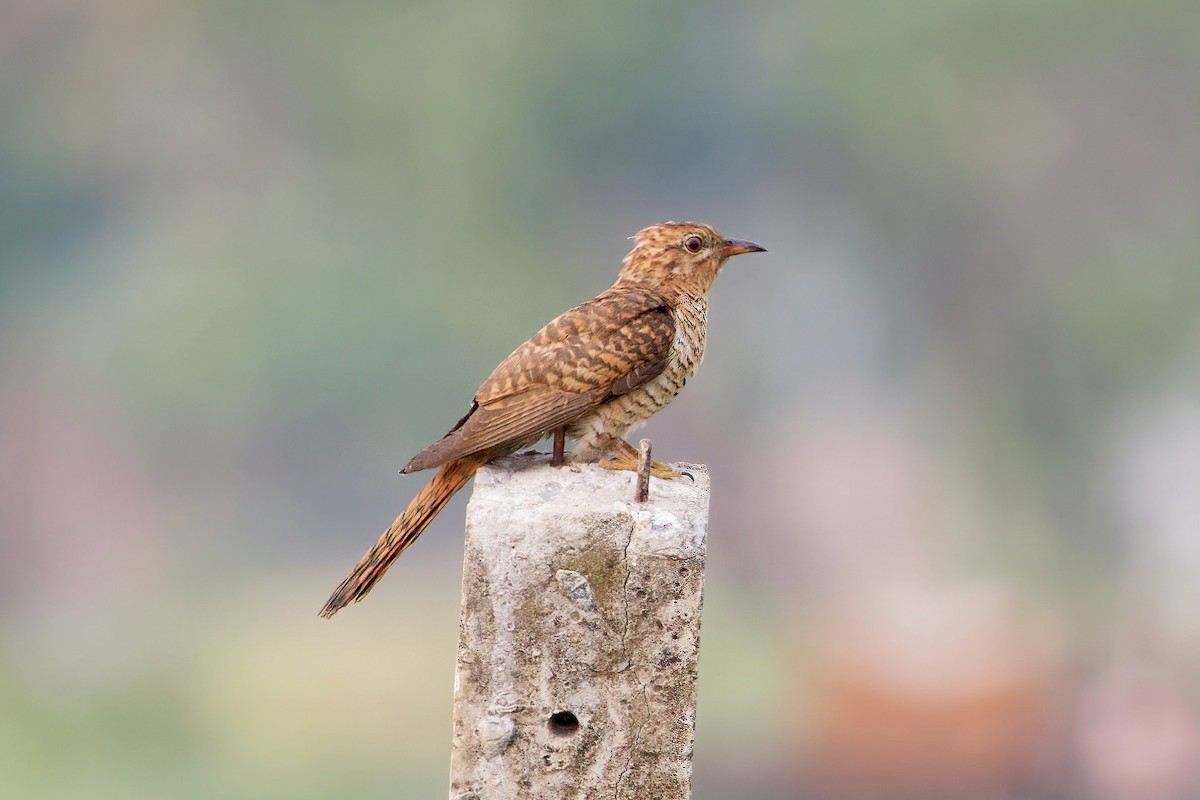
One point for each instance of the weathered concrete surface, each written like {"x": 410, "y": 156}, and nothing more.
{"x": 579, "y": 635}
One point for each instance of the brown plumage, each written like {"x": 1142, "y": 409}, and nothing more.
{"x": 594, "y": 371}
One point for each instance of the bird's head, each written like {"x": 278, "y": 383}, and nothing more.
{"x": 684, "y": 255}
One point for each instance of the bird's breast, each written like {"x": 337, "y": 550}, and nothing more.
{"x": 614, "y": 419}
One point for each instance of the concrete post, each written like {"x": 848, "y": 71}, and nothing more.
{"x": 579, "y": 635}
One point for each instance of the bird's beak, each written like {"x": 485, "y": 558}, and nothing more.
{"x": 735, "y": 247}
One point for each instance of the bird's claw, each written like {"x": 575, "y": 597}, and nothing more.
{"x": 657, "y": 468}
{"x": 665, "y": 472}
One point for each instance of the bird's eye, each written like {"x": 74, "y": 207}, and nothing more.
{"x": 693, "y": 244}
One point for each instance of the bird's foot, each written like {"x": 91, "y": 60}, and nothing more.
{"x": 627, "y": 462}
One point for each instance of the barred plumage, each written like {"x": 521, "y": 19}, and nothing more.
{"x": 594, "y": 371}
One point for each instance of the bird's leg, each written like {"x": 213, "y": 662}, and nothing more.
{"x": 625, "y": 456}
{"x": 560, "y": 445}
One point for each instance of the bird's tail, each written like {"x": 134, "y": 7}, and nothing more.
{"x": 404, "y": 531}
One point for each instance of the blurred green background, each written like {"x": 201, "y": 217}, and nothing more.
{"x": 255, "y": 255}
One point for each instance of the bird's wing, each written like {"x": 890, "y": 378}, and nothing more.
{"x": 605, "y": 347}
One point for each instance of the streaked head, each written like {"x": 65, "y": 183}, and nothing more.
{"x": 689, "y": 254}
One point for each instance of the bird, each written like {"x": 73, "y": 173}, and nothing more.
{"x": 588, "y": 377}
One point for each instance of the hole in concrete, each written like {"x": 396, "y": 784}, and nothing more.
{"x": 563, "y": 723}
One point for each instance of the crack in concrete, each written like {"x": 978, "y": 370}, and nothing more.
{"x": 637, "y": 735}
